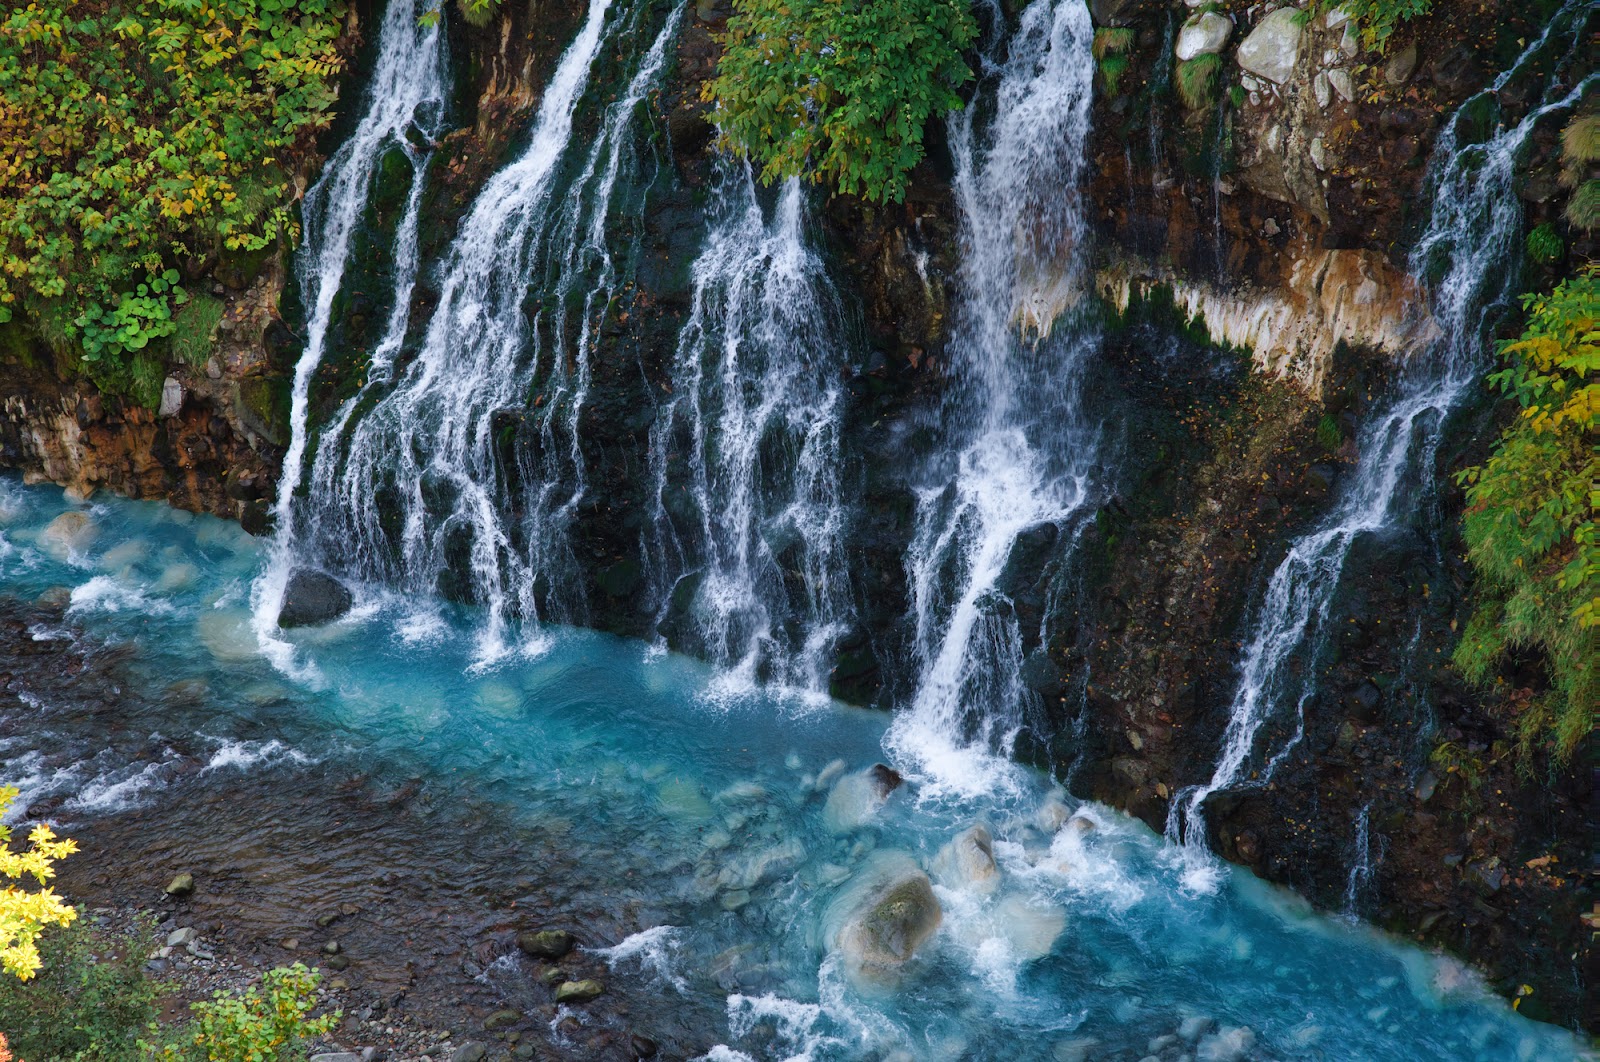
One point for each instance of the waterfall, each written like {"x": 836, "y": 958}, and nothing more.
{"x": 1019, "y": 454}
{"x": 1467, "y": 257}
{"x": 747, "y": 535}
{"x": 407, "y": 93}
{"x": 468, "y": 456}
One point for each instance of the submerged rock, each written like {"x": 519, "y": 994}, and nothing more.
{"x": 180, "y": 886}
{"x": 579, "y": 991}
{"x": 967, "y": 862}
{"x": 312, "y": 597}
{"x": 857, "y": 797}
{"x": 891, "y": 914}
{"x": 545, "y": 943}
{"x": 71, "y": 532}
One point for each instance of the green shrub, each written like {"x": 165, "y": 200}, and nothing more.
{"x": 1530, "y": 522}
{"x": 1197, "y": 81}
{"x": 1377, "y": 19}
{"x": 141, "y": 133}
{"x": 842, "y": 92}
{"x": 89, "y": 1000}
{"x": 269, "y": 1023}
{"x": 1112, "y": 67}
{"x": 1544, "y": 245}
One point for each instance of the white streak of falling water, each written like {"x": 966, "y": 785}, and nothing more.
{"x": 1026, "y": 451}
{"x": 755, "y": 411}
{"x": 426, "y": 452}
{"x": 407, "y": 90}
{"x": 1470, "y": 243}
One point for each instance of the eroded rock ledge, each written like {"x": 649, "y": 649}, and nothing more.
{"x": 1354, "y": 297}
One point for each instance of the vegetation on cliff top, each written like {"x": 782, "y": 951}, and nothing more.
{"x": 841, "y": 92}
{"x": 1530, "y": 523}
{"x": 144, "y": 137}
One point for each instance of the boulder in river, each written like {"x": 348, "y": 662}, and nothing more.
{"x": 856, "y": 797}
{"x": 967, "y": 862}
{"x": 312, "y": 597}
{"x": 545, "y": 943}
{"x": 882, "y": 922}
{"x": 579, "y": 991}
{"x": 71, "y": 532}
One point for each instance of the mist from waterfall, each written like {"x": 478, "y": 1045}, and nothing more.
{"x": 1018, "y": 455}
{"x": 746, "y": 541}
{"x": 465, "y": 462}
{"x": 1467, "y": 258}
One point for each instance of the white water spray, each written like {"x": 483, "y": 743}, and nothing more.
{"x": 746, "y": 455}
{"x": 1467, "y": 258}
{"x": 1025, "y": 451}
{"x": 465, "y": 463}
{"x": 407, "y": 93}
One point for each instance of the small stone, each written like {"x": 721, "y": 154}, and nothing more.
{"x": 180, "y": 886}
{"x": 337, "y": 1056}
{"x": 1401, "y": 65}
{"x": 579, "y": 991}
{"x": 337, "y": 962}
{"x": 1320, "y": 89}
{"x": 213, "y": 369}
{"x": 552, "y": 975}
{"x": 1270, "y": 227}
{"x": 171, "y": 397}
{"x": 326, "y": 920}
{"x": 1319, "y": 154}
{"x": 732, "y": 901}
{"x": 545, "y": 943}
{"x": 643, "y": 1046}
{"x": 471, "y": 1051}
{"x": 1350, "y": 43}
{"x": 523, "y": 1051}
{"x": 1192, "y": 1029}
{"x": 501, "y": 1019}
{"x": 179, "y": 937}
{"x": 1427, "y": 782}
{"x": 1336, "y": 18}
{"x": 331, "y": 948}
{"x": 291, "y": 943}
{"x": 1341, "y": 83}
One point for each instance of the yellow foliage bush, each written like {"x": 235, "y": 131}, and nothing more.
{"x": 24, "y": 913}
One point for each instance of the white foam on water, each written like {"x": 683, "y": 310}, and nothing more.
{"x": 654, "y": 950}
{"x": 243, "y": 755}
{"x": 105, "y": 593}
{"x": 109, "y": 793}
{"x": 799, "y": 1027}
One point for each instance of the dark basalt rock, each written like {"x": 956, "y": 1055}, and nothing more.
{"x": 312, "y": 598}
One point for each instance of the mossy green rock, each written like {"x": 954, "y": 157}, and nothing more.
{"x": 545, "y": 943}
{"x": 578, "y": 991}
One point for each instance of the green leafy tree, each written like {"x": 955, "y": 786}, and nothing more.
{"x": 144, "y": 136}
{"x": 1530, "y": 522}
{"x": 840, "y": 91}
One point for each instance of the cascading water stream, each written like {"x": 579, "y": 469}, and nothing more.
{"x": 1021, "y": 452}
{"x": 407, "y": 93}
{"x": 1467, "y": 258}
{"x": 749, "y": 516}
{"x": 469, "y": 455}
